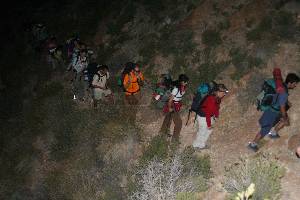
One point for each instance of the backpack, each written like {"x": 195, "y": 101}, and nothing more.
{"x": 265, "y": 98}
{"x": 163, "y": 91}
{"x": 90, "y": 71}
{"x": 202, "y": 92}
{"x": 127, "y": 69}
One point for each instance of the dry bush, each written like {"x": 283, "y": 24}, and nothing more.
{"x": 166, "y": 179}
{"x": 263, "y": 171}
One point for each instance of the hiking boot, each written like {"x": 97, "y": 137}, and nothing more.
{"x": 201, "y": 148}
{"x": 274, "y": 136}
{"x": 253, "y": 147}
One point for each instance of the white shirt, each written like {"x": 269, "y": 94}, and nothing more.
{"x": 177, "y": 94}
{"x": 100, "y": 81}
{"x": 80, "y": 63}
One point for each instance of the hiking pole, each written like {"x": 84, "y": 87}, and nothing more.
{"x": 188, "y": 119}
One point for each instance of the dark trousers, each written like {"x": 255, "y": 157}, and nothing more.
{"x": 175, "y": 116}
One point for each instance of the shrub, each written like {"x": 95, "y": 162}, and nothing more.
{"x": 148, "y": 47}
{"x": 263, "y": 171}
{"x": 177, "y": 43}
{"x": 276, "y": 25}
{"x": 164, "y": 180}
{"x": 211, "y": 38}
{"x": 243, "y": 62}
{"x": 284, "y": 24}
{"x": 224, "y": 24}
{"x": 200, "y": 164}
{"x": 158, "y": 147}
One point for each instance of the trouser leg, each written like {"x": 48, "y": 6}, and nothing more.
{"x": 166, "y": 124}
{"x": 202, "y": 133}
{"x": 178, "y": 125}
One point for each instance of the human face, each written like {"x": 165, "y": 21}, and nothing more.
{"x": 183, "y": 83}
{"x": 221, "y": 93}
{"x": 292, "y": 85}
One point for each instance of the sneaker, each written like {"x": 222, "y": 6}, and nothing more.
{"x": 201, "y": 148}
{"x": 274, "y": 136}
{"x": 253, "y": 147}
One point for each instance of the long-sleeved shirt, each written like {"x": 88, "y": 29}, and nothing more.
{"x": 210, "y": 108}
{"x": 132, "y": 81}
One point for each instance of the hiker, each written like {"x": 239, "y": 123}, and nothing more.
{"x": 280, "y": 123}
{"x": 207, "y": 114}
{"x": 173, "y": 107}
{"x": 163, "y": 90}
{"x": 75, "y": 50}
{"x": 72, "y": 45}
{"x": 99, "y": 85}
{"x": 55, "y": 58}
{"x": 132, "y": 82}
{"x": 51, "y": 45}
{"x": 79, "y": 64}
{"x": 277, "y": 112}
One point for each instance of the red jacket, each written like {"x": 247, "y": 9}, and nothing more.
{"x": 210, "y": 107}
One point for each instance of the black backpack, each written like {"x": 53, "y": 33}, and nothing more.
{"x": 203, "y": 91}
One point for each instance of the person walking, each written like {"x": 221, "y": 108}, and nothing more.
{"x": 132, "y": 82}
{"x": 173, "y": 108}
{"x": 99, "y": 85}
{"x": 208, "y": 113}
{"x": 276, "y": 112}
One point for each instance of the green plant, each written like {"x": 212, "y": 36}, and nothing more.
{"x": 186, "y": 196}
{"x": 224, "y": 24}
{"x": 243, "y": 62}
{"x": 201, "y": 164}
{"x": 277, "y": 25}
{"x": 148, "y": 47}
{"x": 176, "y": 42}
{"x": 264, "y": 26}
{"x": 284, "y": 24}
{"x": 158, "y": 147}
{"x": 211, "y": 38}
{"x": 262, "y": 171}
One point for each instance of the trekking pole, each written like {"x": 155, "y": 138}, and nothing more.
{"x": 188, "y": 119}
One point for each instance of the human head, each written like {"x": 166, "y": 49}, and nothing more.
{"x": 128, "y": 68}
{"x": 292, "y": 80}
{"x": 183, "y": 79}
{"x": 221, "y": 90}
{"x": 102, "y": 69}
{"x": 136, "y": 67}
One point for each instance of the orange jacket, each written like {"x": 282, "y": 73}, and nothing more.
{"x": 131, "y": 83}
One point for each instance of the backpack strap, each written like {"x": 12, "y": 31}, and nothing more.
{"x": 177, "y": 94}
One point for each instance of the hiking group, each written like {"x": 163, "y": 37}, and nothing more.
{"x": 89, "y": 77}
{"x": 205, "y": 107}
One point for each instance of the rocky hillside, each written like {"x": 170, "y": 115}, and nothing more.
{"x": 55, "y": 148}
